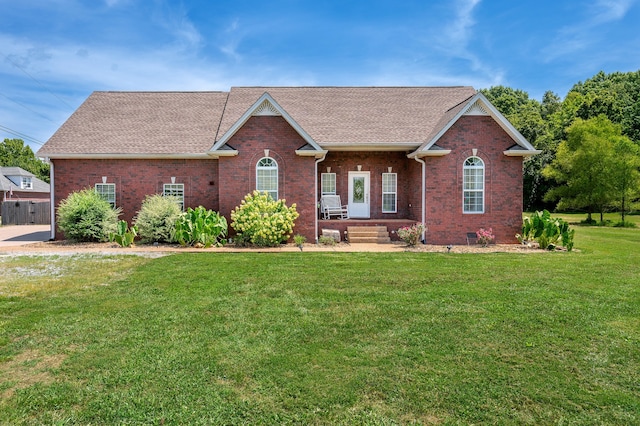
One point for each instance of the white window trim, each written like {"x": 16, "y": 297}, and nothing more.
{"x": 322, "y": 181}
{"x": 464, "y": 181}
{"x": 105, "y": 194}
{"x": 394, "y": 192}
{"x": 174, "y": 190}
{"x": 272, "y": 168}
{"x": 26, "y": 183}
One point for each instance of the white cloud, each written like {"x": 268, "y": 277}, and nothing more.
{"x": 584, "y": 33}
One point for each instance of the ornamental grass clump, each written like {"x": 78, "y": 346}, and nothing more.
{"x": 85, "y": 216}
{"x": 411, "y": 234}
{"x": 263, "y": 221}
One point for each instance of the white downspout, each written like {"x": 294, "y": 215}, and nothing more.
{"x": 424, "y": 195}
{"x": 52, "y": 199}
{"x": 315, "y": 194}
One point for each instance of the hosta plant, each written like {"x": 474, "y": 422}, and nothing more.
{"x": 262, "y": 220}
{"x": 201, "y": 227}
{"x": 124, "y": 235}
{"x": 548, "y": 232}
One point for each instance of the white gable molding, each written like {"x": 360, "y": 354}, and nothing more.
{"x": 479, "y": 105}
{"x": 265, "y": 105}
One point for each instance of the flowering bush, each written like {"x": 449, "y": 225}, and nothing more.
{"x": 262, "y": 220}
{"x": 485, "y": 236}
{"x": 411, "y": 234}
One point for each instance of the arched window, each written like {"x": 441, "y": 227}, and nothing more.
{"x": 473, "y": 185}
{"x": 267, "y": 176}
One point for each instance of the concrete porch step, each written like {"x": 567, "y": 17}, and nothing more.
{"x": 368, "y": 234}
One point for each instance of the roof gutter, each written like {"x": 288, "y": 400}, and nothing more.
{"x": 521, "y": 152}
{"x": 372, "y": 146}
{"x": 52, "y": 200}
{"x": 315, "y": 194}
{"x": 423, "y": 197}
{"x": 136, "y": 156}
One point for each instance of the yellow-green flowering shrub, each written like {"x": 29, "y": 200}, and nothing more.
{"x": 262, "y": 220}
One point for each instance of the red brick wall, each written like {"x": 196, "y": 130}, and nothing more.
{"x": 135, "y": 179}
{"x": 377, "y": 163}
{"x": 503, "y": 184}
{"x": 295, "y": 173}
{"x": 221, "y": 184}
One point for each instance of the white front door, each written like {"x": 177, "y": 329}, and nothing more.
{"x": 359, "y": 195}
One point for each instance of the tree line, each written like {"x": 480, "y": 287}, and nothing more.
{"x": 590, "y": 143}
{"x": 14, "y": 153}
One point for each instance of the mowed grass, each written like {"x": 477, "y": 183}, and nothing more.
{"x": 325, "y": 338}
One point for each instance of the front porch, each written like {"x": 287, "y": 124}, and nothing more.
{"x": 341, "y": 225}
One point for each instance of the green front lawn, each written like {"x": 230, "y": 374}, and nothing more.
{"x": 325, "y": 338}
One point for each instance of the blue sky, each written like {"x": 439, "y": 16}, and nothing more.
{"x": 54, "y": 53}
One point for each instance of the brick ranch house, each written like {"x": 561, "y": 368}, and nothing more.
{"x": 396, "y": 155}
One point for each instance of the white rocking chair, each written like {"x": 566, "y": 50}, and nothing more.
{"x": 330, "y": 205}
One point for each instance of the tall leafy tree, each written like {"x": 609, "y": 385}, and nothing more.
{"x": 584, "y": 165}
{"x": 625, "y": 175}
{"x": 14, "y": 153}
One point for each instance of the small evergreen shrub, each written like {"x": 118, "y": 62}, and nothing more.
{"x": 156, "y": 219}
{"x": 85, "y": 216}
{"x": 262, "y": 220}
{"x": 201, "y": 227}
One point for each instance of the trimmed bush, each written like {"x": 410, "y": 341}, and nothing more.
{"x": 262, "y": 220}
{"x": 85, "y": 216}
{"x": 156, "y": 220}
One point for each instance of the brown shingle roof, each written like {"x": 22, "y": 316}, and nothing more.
{"x": 355, "y": 114}
{"x": 140, "y": 123}
{"x": 182, "y": 123}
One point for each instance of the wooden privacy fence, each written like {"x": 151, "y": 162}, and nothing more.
{"x": 26, "y": 213}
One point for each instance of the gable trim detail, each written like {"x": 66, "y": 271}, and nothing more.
{"x": 265, "y": 105}
{"x": 478, "y": 105}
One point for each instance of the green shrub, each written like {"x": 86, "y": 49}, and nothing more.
{"x": 201, "y": 227}
{"x": 86, "y": 216}
{"x": 327, "y": 241}
{"x": 547, "y": 231}
{"x": 156, "y": 220}
{"x": 262, "y": 220}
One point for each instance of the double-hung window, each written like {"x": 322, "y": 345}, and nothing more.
{"x": 174, "y": 190}
{"x": 26, "y": 183}
{"x": 473, "y": 185}
{"x": 108, "y": 192}
{"x": 389, "y": 192}
{"x": 328, "y": 183}
{"x": 267, "y": 176}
